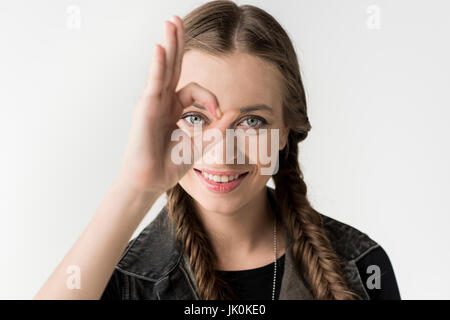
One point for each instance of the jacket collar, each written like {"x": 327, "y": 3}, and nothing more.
{"x": 153, "y": 254}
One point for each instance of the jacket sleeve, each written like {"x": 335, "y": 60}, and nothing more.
{"x": 113, "y": 288}
{"x": 377, "y": 275}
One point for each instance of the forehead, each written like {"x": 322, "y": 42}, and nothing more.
{"x": 236, "y": 79}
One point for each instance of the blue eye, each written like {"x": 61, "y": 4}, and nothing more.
{"x": 254, "y": 122}
{"x": 193, "y": 117}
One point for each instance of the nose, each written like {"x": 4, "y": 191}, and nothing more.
{"x": 224, "y": 149}
{"x": 231, "y": 146}
{"x": 220, "y": 145}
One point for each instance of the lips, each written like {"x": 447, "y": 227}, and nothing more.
{"x": 222, "y": 183}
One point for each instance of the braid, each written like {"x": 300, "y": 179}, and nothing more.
{"x": 192, "y": 239}
{"x": 311, "y": 248}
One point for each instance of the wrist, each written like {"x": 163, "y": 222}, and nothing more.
{"x": 136, "y": 197}
{"x": 125, "y": 181}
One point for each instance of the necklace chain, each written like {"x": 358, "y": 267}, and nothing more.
{"x": 275, "y": 254}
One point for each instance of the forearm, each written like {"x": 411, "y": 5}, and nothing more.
{"x": 101, "y": 244}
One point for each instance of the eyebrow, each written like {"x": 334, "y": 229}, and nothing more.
{"x": 246, "y": 109}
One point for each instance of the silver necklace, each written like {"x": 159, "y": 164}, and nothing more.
{"x": 275, "y": 254}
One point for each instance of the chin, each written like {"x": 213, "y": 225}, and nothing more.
{"x": 219, "y": 206}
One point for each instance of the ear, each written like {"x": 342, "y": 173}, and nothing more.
{"x": 284, "y": 137}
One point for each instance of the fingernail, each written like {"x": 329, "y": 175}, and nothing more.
{"x": 218, "y": 112}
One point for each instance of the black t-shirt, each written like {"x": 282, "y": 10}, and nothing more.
{"x": 255, "y": 284}
{"x": 258, "y": 283}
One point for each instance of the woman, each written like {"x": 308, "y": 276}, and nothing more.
{"x": 223, "y": 234}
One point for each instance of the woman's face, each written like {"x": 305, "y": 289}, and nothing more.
{"x": 238, "y": 80}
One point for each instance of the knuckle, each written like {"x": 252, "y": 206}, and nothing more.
{"x": 193, "y": 84}
{"x": 150, "y": 93}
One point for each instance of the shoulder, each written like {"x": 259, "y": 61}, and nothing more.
{"x": 153, "y": 253}
{"x": 365, "y": 263}
{"x": 377, "y": 275}
{"x": 349, "y": 243}
{"x": 147, "y": 260}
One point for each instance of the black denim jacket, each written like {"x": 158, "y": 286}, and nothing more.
{"x": 152, "y": 267}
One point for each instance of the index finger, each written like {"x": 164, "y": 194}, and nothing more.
{"x": 180, "y": 50}
{"x": 193, "y": 92}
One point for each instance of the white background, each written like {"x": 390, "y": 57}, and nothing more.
{"x": 377, "y": 157}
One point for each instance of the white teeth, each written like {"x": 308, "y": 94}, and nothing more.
{"x": 222, "y": 179}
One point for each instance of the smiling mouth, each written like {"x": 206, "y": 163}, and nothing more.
{"x": 220, "y": 183}
{"x": 222, "y": 178}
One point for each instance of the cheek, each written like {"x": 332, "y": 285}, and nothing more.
{"x": 259, "y": 179}
{"x": 188, "y": 182}
{"x": 261, "y": 149}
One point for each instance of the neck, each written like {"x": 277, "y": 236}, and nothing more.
{"x": 243, "y": 238}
